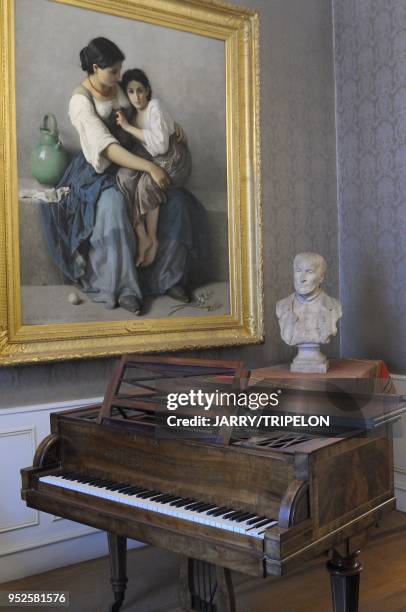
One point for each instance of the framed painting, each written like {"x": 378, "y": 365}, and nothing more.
{"x": 73, "y": 259}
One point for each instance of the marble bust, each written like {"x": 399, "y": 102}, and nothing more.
{"x": 308, "y": 317}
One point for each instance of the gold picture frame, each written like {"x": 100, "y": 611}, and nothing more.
{"x": 243, "y": 324}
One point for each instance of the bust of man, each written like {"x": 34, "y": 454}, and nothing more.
{"x": 308, "y": 317}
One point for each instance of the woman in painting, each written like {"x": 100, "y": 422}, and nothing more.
{"x": 89, "y": 233}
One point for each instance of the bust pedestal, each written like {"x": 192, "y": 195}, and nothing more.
{"x": 309, "y": 359}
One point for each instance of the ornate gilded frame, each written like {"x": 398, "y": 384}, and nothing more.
{"x": 21, "y": 343}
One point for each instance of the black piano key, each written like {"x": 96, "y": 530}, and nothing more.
{"x": 211, "y": 507}
{"x": 72, "y": 477}
{"x": 203, "y": 508}
{"x": 159, "y": 497}
{"x": 152, "y": 495}
{"x": 200, "y": 507}
{"x": 182, "y": 502}
{"x": 230, "y": 515}
{"x": 261, "y": 523}
{"x": 99, "y": 483}
{"x": 148, "y": 494}
{"x": 115, "y": 486}
{"x": 257, "y": 519}
{"x": 174, "y": 500}
{"x": 220, "y": 511}
{"x": 211, "y": 512}
{"x": 237, "y": 516}
{"x": 194, "y": 505}
{"x": 102, "y": 484}
{"x": 165, "y": 499}
{"x": 244, "y": 517}
{"x": 132, "y": 488}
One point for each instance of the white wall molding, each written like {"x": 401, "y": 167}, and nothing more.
{"x": 30, "y": 433}
{"x": 23, "y": 530}
{"x": 51, "y": 406}
{"x": 45, "y": 541}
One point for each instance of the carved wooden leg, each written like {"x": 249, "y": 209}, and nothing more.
{"x": 118, "y": 563}
{"x": 345, "y": 574}
{"x": 205, "y": 587}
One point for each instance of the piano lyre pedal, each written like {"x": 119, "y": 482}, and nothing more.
{"x": 259, "y": 504}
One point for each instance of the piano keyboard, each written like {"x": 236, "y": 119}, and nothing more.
{"x": 247, "y": 523}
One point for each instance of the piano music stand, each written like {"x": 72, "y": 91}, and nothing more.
{"x": 141, "y": 385}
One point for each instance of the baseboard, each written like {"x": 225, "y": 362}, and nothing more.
{"x": 399, "y": 444}
{"x": 46, "y": 557}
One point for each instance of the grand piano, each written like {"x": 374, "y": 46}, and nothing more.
{"x": 260, "y": 501}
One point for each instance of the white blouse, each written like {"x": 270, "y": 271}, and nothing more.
{"x": 157, "y": 126}
{"x": 93, "y": 133}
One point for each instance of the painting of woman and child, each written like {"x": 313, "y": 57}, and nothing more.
{"x": 138, "y": 225}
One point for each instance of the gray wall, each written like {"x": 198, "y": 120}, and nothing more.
{"x": 298, "y": 153}
{"x": 299, "y": 182}
{"x": 370, "y": 41}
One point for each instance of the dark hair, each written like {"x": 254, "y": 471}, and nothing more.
{"x": 136, "y": 75}
{"x": 102, "y": 52}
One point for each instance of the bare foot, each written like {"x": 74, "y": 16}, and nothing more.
{"x": 144, "y": 245}
{"x": 150, "y": 253}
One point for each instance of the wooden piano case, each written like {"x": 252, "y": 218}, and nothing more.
{"x": 324, "y": 493}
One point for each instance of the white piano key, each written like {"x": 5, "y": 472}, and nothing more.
{"x": 134, "y": 500}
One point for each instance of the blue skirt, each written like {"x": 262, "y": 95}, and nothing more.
{"x": 92, "y": 241}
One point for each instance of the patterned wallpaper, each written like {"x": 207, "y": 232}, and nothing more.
{"x": 370, "y": 65}
{"x": 299, "y": 185}
{"x": 298, "y": 154}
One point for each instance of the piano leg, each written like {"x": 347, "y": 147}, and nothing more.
{"x": 205, "y": 587}
{"x": 118, "y": 563}
{"x": 345, "y": 574}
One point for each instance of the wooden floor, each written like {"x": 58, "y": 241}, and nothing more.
{"x": 153, "y": 581}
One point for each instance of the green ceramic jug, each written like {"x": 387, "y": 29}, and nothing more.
{"x": 49, "y": 159}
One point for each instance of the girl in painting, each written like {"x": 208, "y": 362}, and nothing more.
{"x": 89, "y": 233}
{"x": 152, "y": 126}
